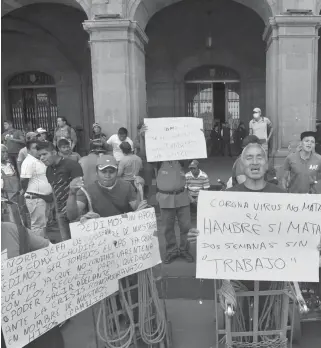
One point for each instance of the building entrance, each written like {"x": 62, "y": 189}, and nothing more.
{"x": 214, "y": 95}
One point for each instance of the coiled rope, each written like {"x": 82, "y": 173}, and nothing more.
{"x": 149, "y": 302}
{"x": 150, "y": 310}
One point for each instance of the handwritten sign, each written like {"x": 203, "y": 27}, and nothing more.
{"x": 133, "y": 238}
{"x": 255, "y": 236}
{"x": 174, "y": 138}
{"x": 42, "y": 289}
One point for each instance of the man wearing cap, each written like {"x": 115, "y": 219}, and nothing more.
{"x": 60, "y": 172}
{"x": 110, "y": 195}
{"x": 196, "y": 180}
{"x": 23, "y": 153}
{"x": 262, "y": 128}
{"x": 42, "y": 134}
{"x": 65, "y": 150}
{"x": 302, "y": 168}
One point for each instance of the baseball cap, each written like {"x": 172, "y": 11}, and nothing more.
{"x": 193, "y": 164}
{"x": 256, "y": 110}
{"x": 307, "y": 134}
{"x": 106, "y": 161}
{"x": 41, "y": 130}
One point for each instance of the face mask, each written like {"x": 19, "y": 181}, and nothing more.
{"x": 256, "y": 115}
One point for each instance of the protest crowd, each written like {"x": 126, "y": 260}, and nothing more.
{"x": 54, "y": 186}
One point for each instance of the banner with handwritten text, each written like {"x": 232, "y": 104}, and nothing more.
{"x": 174, "y": 138}
{"x": 133, "y": 237}
{"x": 255, "y": 236}
{"x": 42, "y": 289}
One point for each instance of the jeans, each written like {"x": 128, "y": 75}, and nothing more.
{"x": 39, "y": 212}
{"x": 168, "y": 227}
{"x": 63, "y": 224}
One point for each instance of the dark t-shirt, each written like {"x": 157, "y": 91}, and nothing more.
{"x": 302, "y": 172}
{"x": 268, "y": 188}
{"x": 59, "y": 177}
{"x": 107, "y": 202}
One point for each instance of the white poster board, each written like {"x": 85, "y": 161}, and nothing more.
{"x": 255, "y": 236}
{"x": 133, "y": 236}
{"x": 174, "y": 138}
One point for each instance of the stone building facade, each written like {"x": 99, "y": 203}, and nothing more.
{"x": 119, "y": 61}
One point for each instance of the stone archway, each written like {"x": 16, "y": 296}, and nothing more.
{"x": 8, "y": 6}
{"x": 143, "y": 10}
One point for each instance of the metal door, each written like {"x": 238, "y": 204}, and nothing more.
{"x": 33, "y": 101}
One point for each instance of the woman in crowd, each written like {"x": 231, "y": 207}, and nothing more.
{"x": 64, "y": 130}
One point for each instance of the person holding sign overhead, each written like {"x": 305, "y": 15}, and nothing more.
{"x": 302, "y": 168}
{"x": 174, "y": 201}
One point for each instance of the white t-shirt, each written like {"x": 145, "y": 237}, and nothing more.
{"x": 34, "y": 170}
{"x": 115, "y": 142}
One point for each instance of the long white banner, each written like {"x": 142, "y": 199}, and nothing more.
{"x": 42, "y": 289}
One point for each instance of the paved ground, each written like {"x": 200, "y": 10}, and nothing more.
{"x": 192, "y": 323}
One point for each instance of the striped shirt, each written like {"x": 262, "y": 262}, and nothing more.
{"x": 194, "y": 185}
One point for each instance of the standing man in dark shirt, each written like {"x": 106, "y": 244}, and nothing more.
{"x": 216, "y": 141}
{"x": 226, "y": 140}
{"x": 60, "y": 172}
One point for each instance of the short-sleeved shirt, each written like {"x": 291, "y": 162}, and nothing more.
{"x": 13, "y": 147}
{"x": 74, "y": 156}
{"x": 129, "y": 167}
{"x": 271, "y": 188}
{"x": 109, "y": 202}
{"x": 59, "y": 176}
{"x": 302, "y": 172}
{"x": 260, "y": 127}
{"x": 35, "y": 171}
{"x": 195, "y": 184}
{"x": 23, "y": 153}
{"x": 114, "y": 141}
{"x": 171, "y": 178}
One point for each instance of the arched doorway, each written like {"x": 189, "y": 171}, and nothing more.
{"x": 213, "y": 93}
{"x": 32, "y": 101}
{"x": 46, "y": 66}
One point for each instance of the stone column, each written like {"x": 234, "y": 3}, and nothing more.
{"x": 291, "y": 78}
{"x": 118, "y": 73}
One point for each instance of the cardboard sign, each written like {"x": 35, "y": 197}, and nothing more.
{"x": 255, "y": 236}
{"x": 133, "y": 236}
{"x": 174, "y": 138}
